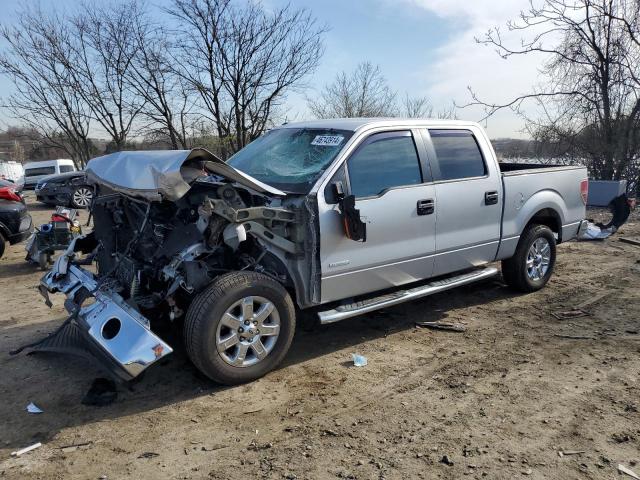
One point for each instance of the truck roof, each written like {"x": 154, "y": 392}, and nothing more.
{"x": 355, "y": 124}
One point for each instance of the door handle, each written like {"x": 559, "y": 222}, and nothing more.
{"x": 426, "y": 207}
{"x": 491, "y": 198}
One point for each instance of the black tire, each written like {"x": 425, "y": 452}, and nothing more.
{"x": 80, "y": 195}
{"x": 515, "y": 271}
{"x": 205, "y": 314}
{"x": 2, "y": 245}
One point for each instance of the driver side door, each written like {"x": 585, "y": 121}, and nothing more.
{"x": 396, "y": 199}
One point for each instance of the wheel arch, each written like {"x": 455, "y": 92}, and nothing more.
{"x": 545, "y": 207}
{"x": 548, "y": 217}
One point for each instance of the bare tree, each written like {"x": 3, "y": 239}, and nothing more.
{"x": 103, "y": 48}
{"x": 421, "y": 107}
{"x": 168, "y": 101}
{"x": 417, "y": 107}
{"x": 362, "y": 93}
{"x": 45, "y": 99}
{"x": 590, "y": 93}
{"x": 242, "y": 60}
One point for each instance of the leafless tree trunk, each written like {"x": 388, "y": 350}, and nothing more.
{"x": 590, "y": 96}
{"x": 46, "y": 98}
{"x": 241, "y": 62}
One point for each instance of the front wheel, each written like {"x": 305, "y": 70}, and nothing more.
{"x": 532, "y": 265}
{"x": 81, "y": 197}
{"x": 240, "y": 327}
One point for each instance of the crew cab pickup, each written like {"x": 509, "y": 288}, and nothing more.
{"x": 332, "y": 217}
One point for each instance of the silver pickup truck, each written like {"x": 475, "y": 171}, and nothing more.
{"x": 333, "y": 217}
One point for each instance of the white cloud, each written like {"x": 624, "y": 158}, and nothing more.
{"x": 462, "y": 62}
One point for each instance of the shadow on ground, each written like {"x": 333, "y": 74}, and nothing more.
{"x": 175, "y": 379}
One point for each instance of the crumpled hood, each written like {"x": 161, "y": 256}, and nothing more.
{"x": 168, "y": 174}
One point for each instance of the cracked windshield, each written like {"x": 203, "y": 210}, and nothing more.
{"x": 291, "y": 159}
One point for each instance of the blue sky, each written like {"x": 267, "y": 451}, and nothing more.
{"x": 423, "y": 47}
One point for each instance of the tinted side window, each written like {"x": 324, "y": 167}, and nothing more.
{"x": 385, "y": 160}
{"x": 458, "y": 154}
{"x": 32, "y": 172}
{"x": 66, "y": 168}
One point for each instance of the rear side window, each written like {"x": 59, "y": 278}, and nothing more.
{"x": 383, "y": 161}
{"x": 66, "y": 168}
{"x": 32, "y": 172}
{"x": 458, "y": 154}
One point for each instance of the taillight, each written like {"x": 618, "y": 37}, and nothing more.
{"x": 9, "y": 193}
{"x": 584, "y": 190}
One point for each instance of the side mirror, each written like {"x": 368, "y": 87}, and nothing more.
{"x": 354, "y": 227}
{"x": 338, "y": 190}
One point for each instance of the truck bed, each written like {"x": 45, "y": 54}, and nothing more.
{"x": 511, "y": 168}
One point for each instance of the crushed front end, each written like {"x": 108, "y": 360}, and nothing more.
{"x": 101, "y": 323}
{"x": 153, "y": 250}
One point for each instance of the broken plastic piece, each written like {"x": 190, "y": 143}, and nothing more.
{"x": 453, "y": 327}
{"x": 626, "y": 471}
{"x": 27, "y": 449}
{"x": 33, "y": 408}
{"x": 359, "y": 360}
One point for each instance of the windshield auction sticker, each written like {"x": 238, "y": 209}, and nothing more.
{"x": 327, "y": 140}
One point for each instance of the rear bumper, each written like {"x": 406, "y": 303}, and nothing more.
{"x": 117, "y": 335}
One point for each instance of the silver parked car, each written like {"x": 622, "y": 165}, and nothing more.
{"x": 336, "y": 217}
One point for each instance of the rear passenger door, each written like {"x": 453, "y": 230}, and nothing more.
{"x": 468, "y": 200}
{"x": 392, "y": 191}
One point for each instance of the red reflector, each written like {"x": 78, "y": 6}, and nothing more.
{"x": 9, "y": 193}
{"x": 584, "y": 190}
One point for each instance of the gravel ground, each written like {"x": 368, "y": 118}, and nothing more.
{"x": 499, "y": 401}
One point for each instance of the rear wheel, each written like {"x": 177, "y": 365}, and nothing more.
{"x": 2, "y": 245}
{"x": 81, "y": 197}
{"x": 532, "y": 265}
{"x": 240, "y": 327}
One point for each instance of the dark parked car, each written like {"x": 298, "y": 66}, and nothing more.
{"x": 15, "y": 221}
{"x": 66, "y": 189}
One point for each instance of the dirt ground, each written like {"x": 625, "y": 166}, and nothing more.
{"x": 499, "y": 401}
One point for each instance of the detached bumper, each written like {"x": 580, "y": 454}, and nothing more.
{"x": 113, "y": 332}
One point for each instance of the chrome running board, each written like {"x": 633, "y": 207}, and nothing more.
{"x": 376, "y": 303}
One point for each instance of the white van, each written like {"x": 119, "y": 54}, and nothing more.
{"x": 34, "y": 171}
{"x": 13, "y": 171}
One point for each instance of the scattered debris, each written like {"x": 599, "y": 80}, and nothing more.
{"x": 570, "y": 452}
{"x": 594, "y": 232}
{"x": 211, "y": 449}
{"x": 593, "y": 300}
{"x": 621, "y": 437}
{"x": 33, "y": 408}
{"x": 453, "y": 327}
{"x": 102, "y": 393}
{"x": 148, "y": 455}
{"x": 75, "y": 446}
{"x": 630, "y": 241}
{"x": 620, "y": 208}
{"x": 26, "y": 449}
{"x": 575, "y": 337}
{"x": 574, "y": 313}
{"x": 446, "y": 460}
{"x": 626, "y": 471}
{"x": 359, "y": 360}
